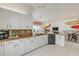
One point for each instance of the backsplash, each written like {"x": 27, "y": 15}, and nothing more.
{"x": 20, "y": 33}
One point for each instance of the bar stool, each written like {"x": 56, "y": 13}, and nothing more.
{"x": 74, "y": 36}
{"x": 69, "y": 36}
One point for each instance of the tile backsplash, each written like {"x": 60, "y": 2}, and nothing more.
{"x": 21, "y": 33}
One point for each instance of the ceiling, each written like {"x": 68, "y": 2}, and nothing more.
{"x": 56, "y": 12}
{"x": 17, "y": 7}
{"x": 49, "y": 11}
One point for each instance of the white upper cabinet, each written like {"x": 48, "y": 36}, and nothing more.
{"x": 13, "y": 20}
{"x": 8, "y": 19}
{"x": 3, "y": 18}
{"x": 22, "y": 22}
{"x": 25, "y": 21}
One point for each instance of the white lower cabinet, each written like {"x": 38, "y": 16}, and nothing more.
{"x": 43, "y": 40}
{"x": 28, "y": 42}
{"x": 19, "y": 48}
{"x": 34, "y": 42}
{"x": 40, "y": 40}
{"x": 14, "y": 48}
{"x": 1, "y": 49}
{"x": 60, "y": 40}
{"x": 22, "y": 46}
{"x": 37, "y": 41}
{"x": 9, "y": 48}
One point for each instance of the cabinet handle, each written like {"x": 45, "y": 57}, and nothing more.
{"x": 17, "y": 44}
{"x": 7, "y": 25}
{"x": 14, "y": 45}
{"x": 10, "y": 26}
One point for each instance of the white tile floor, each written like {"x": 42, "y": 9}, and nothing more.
{"x": 71, "y": 49}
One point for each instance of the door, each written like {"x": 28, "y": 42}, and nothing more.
{"x": 13, "y": 20}
{"x": 1, "y": 49}
{"x": 9, "y": 48}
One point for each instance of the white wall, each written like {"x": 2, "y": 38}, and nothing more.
{"x": 58, "y": 14}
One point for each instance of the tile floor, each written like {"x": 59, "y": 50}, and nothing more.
{"x": 71, "y": 49}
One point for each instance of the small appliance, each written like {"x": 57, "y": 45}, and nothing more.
{"x": 4, "y": 34}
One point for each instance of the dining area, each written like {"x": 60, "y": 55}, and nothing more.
{"x": 72, "y": 36}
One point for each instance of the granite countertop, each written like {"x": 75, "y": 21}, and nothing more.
{"x": 60, "y": 33}
{"x": 18, "y": 38}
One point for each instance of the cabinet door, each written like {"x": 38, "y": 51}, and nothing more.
{"x": 25, "y": 21}
{"x": 37, "y": 41}
{"x": 41, "y": 40}
{"x": 27, "y": 45}
{"x": 9, "y": 48}
{"x": 28, "y": 20}
{"x": 45, "y": 39}
{"x": 22, "y": 21}
{"x": 3, "y": 18}
{"x": 31, "y": 43}
{"x": 21, "y": 44}
{"x": 1, "y": 49}
{"x": 19, "y": 49}
{"x": 60, "y": 40}
{"x": 13, "y": 20}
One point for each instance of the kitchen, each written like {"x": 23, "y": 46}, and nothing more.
{"x": 25, "y": 28}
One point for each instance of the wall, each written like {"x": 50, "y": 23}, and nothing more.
{"x": 57, "y": 14}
